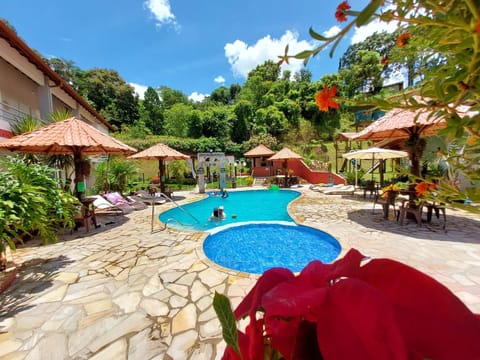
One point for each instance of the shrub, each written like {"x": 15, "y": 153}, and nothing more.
{"x": 32, "y": 202}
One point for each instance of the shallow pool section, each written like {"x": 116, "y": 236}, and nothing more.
{"x": 239, "y": 207}
{"x": 254, "y": 248}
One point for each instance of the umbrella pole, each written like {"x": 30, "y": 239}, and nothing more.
{"x": 160, "y": 171}
{"x": 77, "y": 161}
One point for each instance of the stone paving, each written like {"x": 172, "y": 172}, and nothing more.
{"x": 122, "y": 292}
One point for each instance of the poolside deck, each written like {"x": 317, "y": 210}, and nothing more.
{"x": 121, "y": 292}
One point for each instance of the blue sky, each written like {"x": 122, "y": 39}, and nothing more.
{"x": 191, "y": 46}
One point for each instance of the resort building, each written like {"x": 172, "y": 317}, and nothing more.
{"x": 29, "y": 87}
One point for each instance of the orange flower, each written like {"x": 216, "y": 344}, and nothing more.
{"x": 424, "y": 187}
{"x": 403, "y": 39}
{"x": 324, "y": 98}
{"x": 340, "y": 14}
{"x": 478, "y": 26}
{"x": 384, "y": 61}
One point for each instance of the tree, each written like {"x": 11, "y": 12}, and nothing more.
{"x": 364, "y": 76}
{"x": 170, "y": 97}
{"x": 177, "y": 120}
{"x": 270, "y": 120}
{"x": 110, "y": 95}
{"x": 216, "y": 122}
{"x": 242, "y": 121}
{"x": 66, "y": 69}
{"x": 153, "y": 110}
{"x": 221, "y": 95}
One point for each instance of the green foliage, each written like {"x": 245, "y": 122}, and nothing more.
{"x": 265, "y": 139}
{"x": 177, "y": 120}
{"x": 110, "y": 95}
{"x": 31, "y": 202}
{"x": 59, "y": 115}
{"x": 440, "y": 40}
{"x": 223, "y": 309}
{"x": 25, "y": 124}
{"x": 177, "y": 169}
{"x": 153, "y": 116}
{"x": 114, "y": 175}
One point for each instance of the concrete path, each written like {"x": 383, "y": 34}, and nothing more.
{"x": 121, "y": 292}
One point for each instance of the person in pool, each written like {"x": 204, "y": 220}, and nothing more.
{"x": 218, "y": 214}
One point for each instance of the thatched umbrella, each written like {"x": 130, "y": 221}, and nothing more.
{"x": 162, "y": 153}
{"x": 68, "y": 137}
{"x": 409, "y": 125}
{"x": 285, "y": 154}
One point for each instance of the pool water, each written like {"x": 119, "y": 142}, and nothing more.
{"x": 239, "y": 206}
{"x": 254, "y": 248}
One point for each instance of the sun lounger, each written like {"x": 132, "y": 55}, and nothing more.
{"x": 328, "y": 187}
{"x": 117, "y": 199}
{"x": 146, "y": 195}
{"x": 103, "y": 206}
{"x": 340, "y": 190}
{"x": 147, "y": 201}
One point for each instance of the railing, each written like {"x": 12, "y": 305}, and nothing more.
{"x": 162, "y": 195}
{"x": 10, "y": 113}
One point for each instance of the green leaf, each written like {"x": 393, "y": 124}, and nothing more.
{"x": 222, "y": 307}
{"x": 316, "y": 35}
{"x": 367, "y": 13}
{"x": 303, "y": 55}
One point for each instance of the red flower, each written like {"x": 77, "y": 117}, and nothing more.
{"x": 384, "y": 61}
{"x": 341, "y": 14}
{"x": 324, "y": 98}
{"x": 403, "y": 39}
{"x": 478, "y": 26}
{"x": 348, "y": 310}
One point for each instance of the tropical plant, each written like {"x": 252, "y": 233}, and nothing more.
{"x": 31, "y": 203}
{"x": 114, "y": 175}
{"x": 449, "y": 34}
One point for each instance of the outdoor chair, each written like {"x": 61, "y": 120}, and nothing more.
{"x": 147, "y": 200}
{"x": 410, "y": 207}
{"x": 118, "y": 200}
{"x": 387, "y": 199}
{"x": 103, "y": 206}
{"x": 370, "y": 187}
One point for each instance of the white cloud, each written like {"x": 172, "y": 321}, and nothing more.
{"x": 162, "y": 12}
{"x": 197, "y": 97}
{"x": 219, "y": 79}
{"x": 378, "y": 26}
{"x": 334, "y": 30}
{"x": 243, "y": 57}
{"x": 139, "y": 89}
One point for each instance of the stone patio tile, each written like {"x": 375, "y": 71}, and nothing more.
{"x": 116, "y": 350}
{"x": 186, "y": 319}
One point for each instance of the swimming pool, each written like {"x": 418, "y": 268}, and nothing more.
{"x": 254, "y": 248}
{"x": 239, "y": 207}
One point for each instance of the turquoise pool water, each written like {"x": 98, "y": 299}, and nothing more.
{"x": 254, "y": 248}
{"x": 239, "y": 207}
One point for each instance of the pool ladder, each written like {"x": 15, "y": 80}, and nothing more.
{"x": 162, "y": 195}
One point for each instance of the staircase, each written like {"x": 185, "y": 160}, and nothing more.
{"x": 258, "y": 181}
